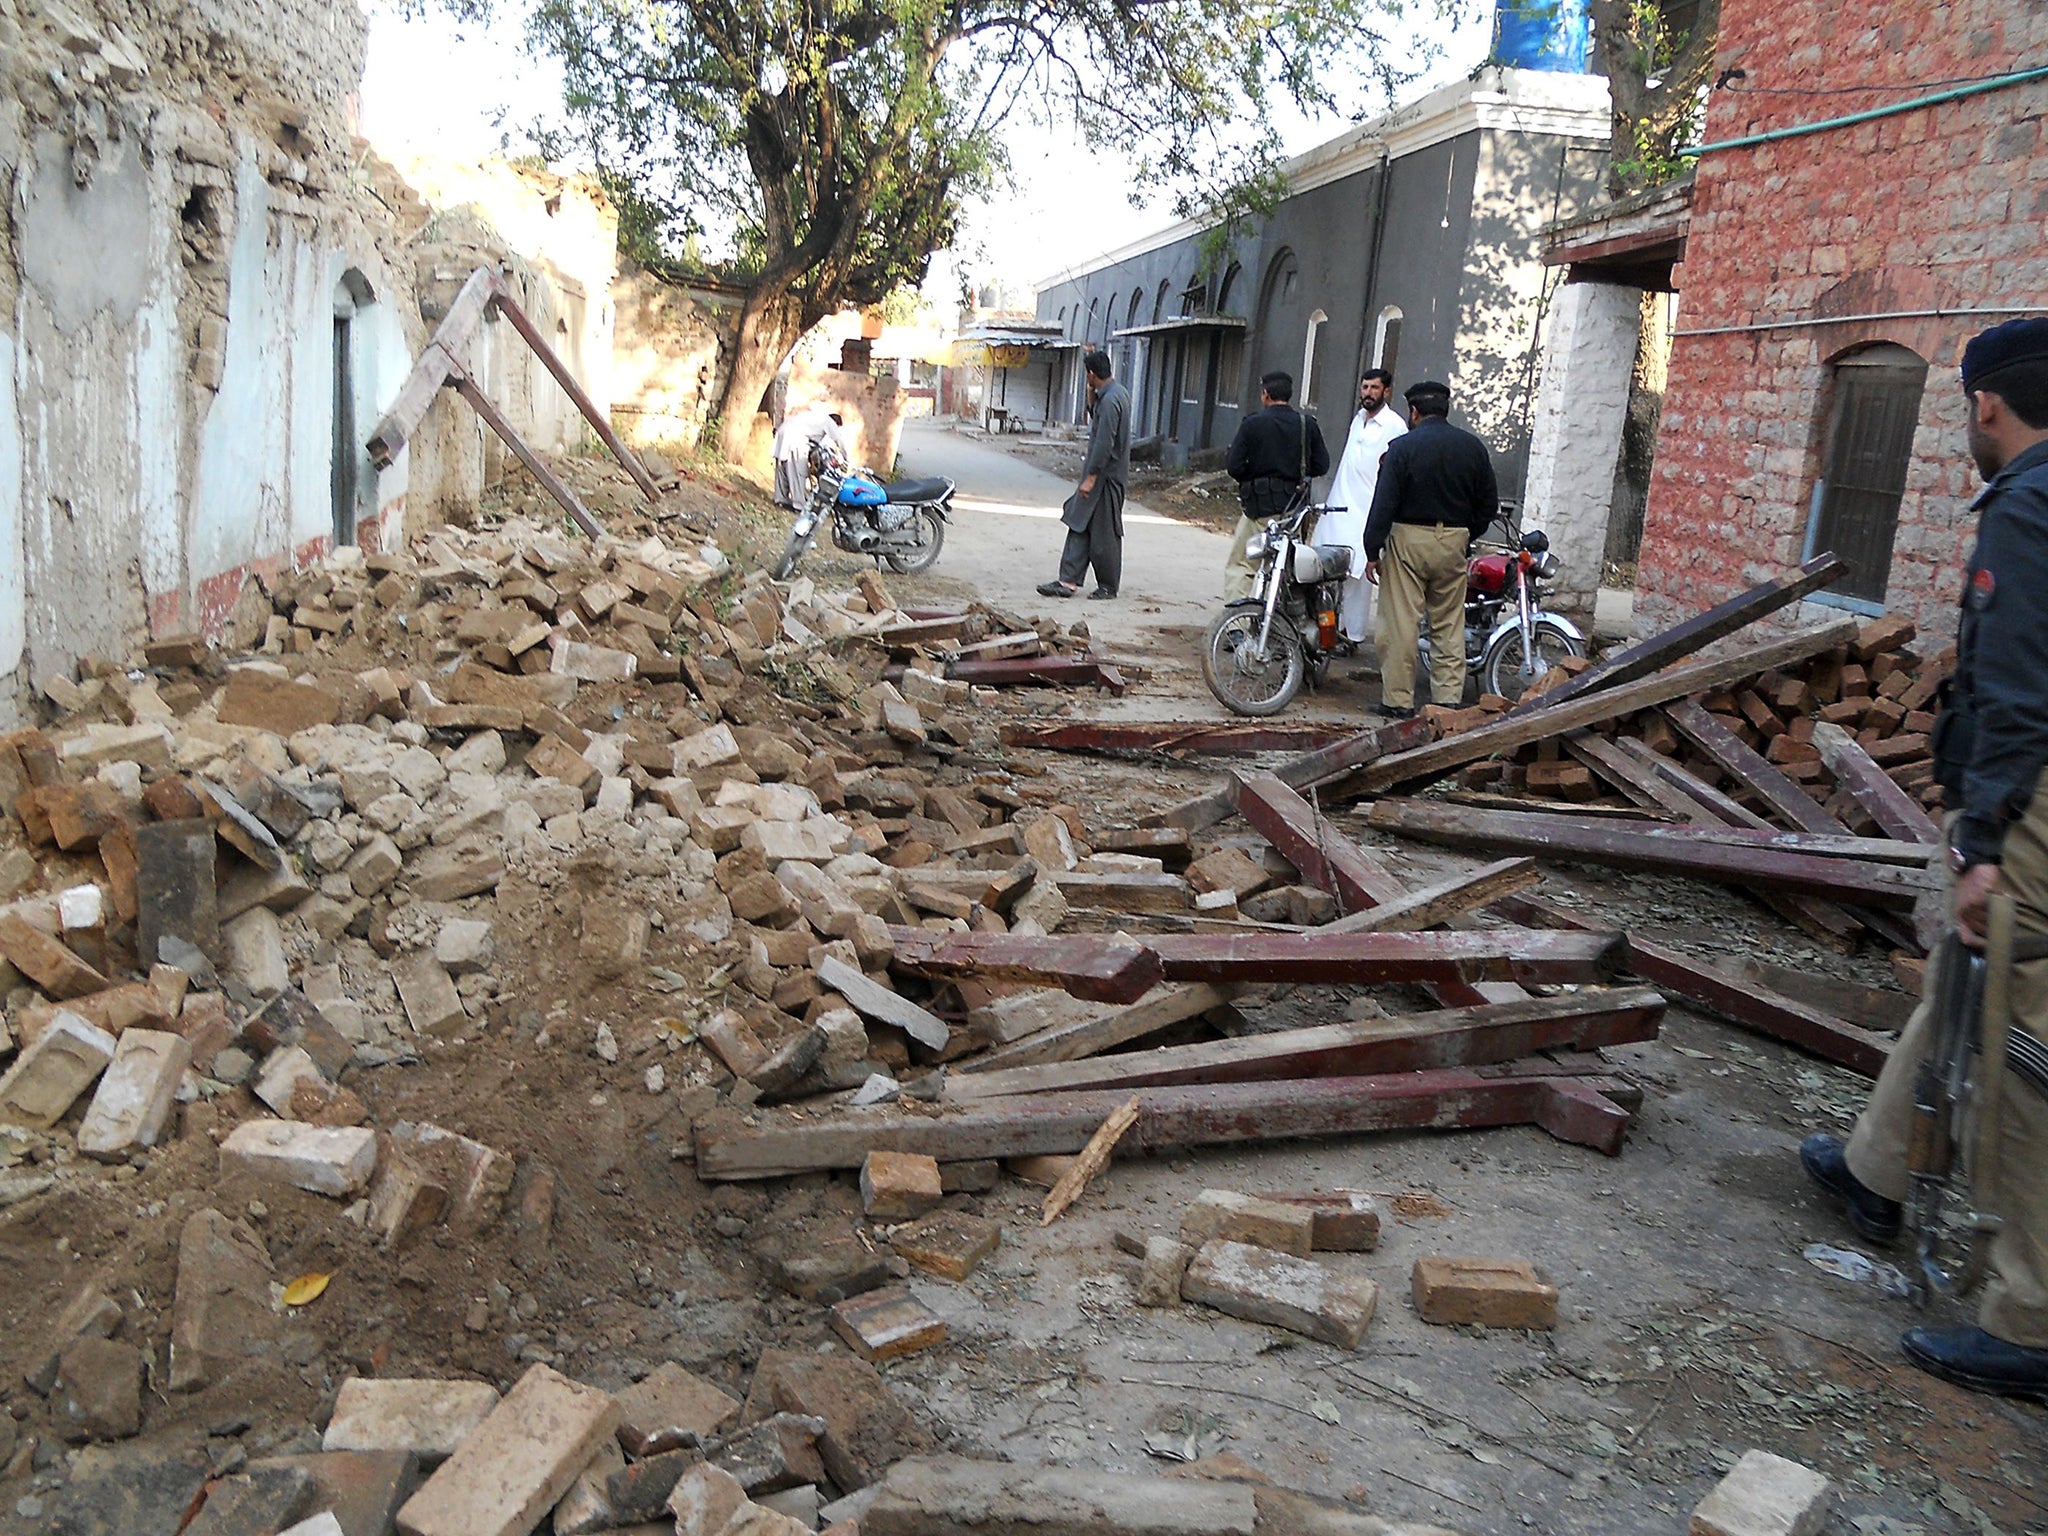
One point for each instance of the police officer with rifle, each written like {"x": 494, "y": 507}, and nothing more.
{"x": 1965, "y": 1092}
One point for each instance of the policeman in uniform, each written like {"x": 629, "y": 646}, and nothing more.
{"x": 1991, "y": 756}
{"x": 1276, "y": 452}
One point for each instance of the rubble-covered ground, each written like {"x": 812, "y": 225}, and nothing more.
{"x": 564, "y": 969}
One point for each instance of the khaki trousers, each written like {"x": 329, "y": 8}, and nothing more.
{"x": 1239, "y": 574}
{"x": 1422, "y": 580}
{"x": 2014, "y": 1304}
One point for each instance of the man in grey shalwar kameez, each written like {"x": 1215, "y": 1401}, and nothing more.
{"x": 1094, "y": 514}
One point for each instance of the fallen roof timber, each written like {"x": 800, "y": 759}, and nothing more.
{"x": 1176, "y": 736}
{"x": 1515, "y": 730}
{"x": 735, "y": 1144}
{"x": 1413, "y": 1042}
{"x": 1871, "y": 787}
{"x": 1589, "y": 842}
{"x": 1059, "y": 670}
{"x": 1113, "y": 968}
{"x": 1734, "y": 756}
{"x": 1695, "y": 634}
{"x": 1744, "y": 1001}
{"x": 1304, "y": 772}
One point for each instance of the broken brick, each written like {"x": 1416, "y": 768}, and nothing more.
{"x": 1495, "y": 1293}
{"x": 1233, "y": 1217}
{"x": 1262, "y": 1286}
{"x": 896, "y": 1185}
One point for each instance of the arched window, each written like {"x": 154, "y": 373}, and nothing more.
{"x": 1131, "y": 314}
{"x": 1226, "y": 293}
{"x": 1090, "y": 334}
{"x": 1159, "y": 304}
{"x": 1276, "y": 333}
{"x": 1311, "y": 360}
{"x": 1386, "y": 338}
{"x": 1872, "y": 417}
{"x": 1063, "y": 319}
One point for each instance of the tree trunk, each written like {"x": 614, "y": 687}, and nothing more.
{"x": 770, "y": 326}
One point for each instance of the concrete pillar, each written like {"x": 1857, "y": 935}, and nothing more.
{"x": 1581, "y": 407}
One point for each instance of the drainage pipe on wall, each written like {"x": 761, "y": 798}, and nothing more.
{"x": 1955, "y": 93}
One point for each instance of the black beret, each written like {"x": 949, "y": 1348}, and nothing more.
{"x": 2016, "y": 341}
{"x": 1426, "y": 390}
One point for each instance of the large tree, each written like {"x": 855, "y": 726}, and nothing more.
{"x": 1657, "y": 56}
{"x": 829, "y": 144}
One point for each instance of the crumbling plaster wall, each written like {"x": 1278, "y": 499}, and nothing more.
{"x": 185, "y": 206}
{"x": 672, "y": 351}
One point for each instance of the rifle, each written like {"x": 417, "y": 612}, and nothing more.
{"x": 1976, "y": 1042}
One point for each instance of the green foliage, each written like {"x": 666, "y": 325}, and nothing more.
{"x": 1657, "y": 74}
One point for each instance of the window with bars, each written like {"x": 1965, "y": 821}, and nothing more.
{"x": 1875, "y": 411}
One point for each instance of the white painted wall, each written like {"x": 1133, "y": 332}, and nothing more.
{"x": 1589, "y": 354}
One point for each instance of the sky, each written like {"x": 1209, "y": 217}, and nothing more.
{"x": 433, "y": 86}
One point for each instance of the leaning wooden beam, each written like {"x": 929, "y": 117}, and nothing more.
{"x": 1824, "y": 845}
{"x": 1106, "y": 968}
{"x": 1515, "y": 730}
{"x": 1103, "y": 1031}
{"x": 736, "y": 1144}
{"x": 1037, "y": 669}
{"x": 1415, "y": 1042}
{"x": 1697, "y": 632}
{"x": 535, "y": 465}
{"x": 1637, "y": 781}
{"x": 1609, "y": 843}
{"x": 551, "y": 360}
{"x": 1705, "y": 797}
{"x": 1311, "y": 768}
{"x": 1734, "y": 756}
{"x": 444, "y": 356}
{"x": 1431, "y": 906}
{"x": 1744, "y": 1002}
{"x": 1175, "y": 736}
{"x": 1871, "y": 787}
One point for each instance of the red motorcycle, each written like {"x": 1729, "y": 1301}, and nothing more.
{"x": 1511, "y": 639}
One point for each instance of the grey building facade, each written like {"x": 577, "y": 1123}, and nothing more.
{"x": 1412, "y": 242}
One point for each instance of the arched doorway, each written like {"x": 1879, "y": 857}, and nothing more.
{"x": 352, "y": 480}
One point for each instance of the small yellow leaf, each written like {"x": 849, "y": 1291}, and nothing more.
{"x": 307, "y": 1288}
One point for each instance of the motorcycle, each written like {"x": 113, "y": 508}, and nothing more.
{"x": 901, "y": 523}
{"x": 1508, "y": 647}
{"x": 1260, "y": 649}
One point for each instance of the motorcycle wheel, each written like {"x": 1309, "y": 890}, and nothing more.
{"x": 1501, "y": 672}
{"x": 931, "y": 539}
{"x": 792, "y": 552}
{"x": 1242, "y": 683}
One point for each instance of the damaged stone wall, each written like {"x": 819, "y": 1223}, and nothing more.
{"x": 186, "y": 225}
{"x": 672, "y": 351}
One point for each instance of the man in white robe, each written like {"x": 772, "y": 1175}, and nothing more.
{"x": 792, "y": 452}
{"x": 1358, "y": 472}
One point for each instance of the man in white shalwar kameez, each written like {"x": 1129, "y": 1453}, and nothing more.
{"x": 792, "y": 452}
{"x": 1358, "y": 472}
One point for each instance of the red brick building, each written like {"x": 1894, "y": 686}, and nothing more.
{"x": 1832, "y": 272}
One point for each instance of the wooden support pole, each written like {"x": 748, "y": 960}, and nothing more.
{"x": 1173, "y": 736}
{"x": 1304, "y": 772}
{"x": 535, "y": 466}
{"x": 733, "y": 1144}
{"x": 551, "y": 361}
{"x": 446, "y": 355}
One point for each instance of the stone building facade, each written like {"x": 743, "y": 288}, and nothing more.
{"x": 1412, "y": 242}
{"x": 1831, "y": 276}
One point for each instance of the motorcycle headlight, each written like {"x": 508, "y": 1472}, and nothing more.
{"x": 1545, "y": 566}
{"x": 1255, "y": 546}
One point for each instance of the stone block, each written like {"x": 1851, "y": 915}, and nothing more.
{"x": 1161, "y": 1271}
{"x": 174, "y": 886}
{"x": 326, "y": 1160}
{"x": 361, "y": 1489}
{"x": 881, "y": 1325}
{"x": 779, "y": 1452}
{"x": 641, "y": 1491}
{"x": 464, "y": 946}
{"x": 481, "y": 1176}
{"x": 147, "y": 744}
{"x": 51, "y": 1072}
{"x": 449, "y": 874}
{"x": 671, "y": 1401}
{"x": 705, "y": 1501}
{"x": 220, "y": 1312}
{"x": 807, "y": 842}
{"x": 123, "y": 1491}
{"x": 1496, "y": 1293}
{"x": 1765, "y": 1495}
{"x": 255, "y": 952}
{"x": 798, "y": 1504}
{"x": 326, "y": 1523}
{"x": 949, "y": 1244}
{"x": 705, "y": 749}
{"x": 592, "y": 663}
{"x": 409, "y": 1194}
{"x": 1341, "y": 1221}
{"x": 614, "y": 937}
{"x": 761, "y": 898}
{"x": 1229, "y": 869}
{"x": 47, "y": 962}
{"x": 427, "y": 1418}
{"x": 1049, "y": 843}
{"x": 431, "y": 1001}
{"x": 98, "y": 1394}
{"x": 276, "y": 704}
{"x": 374, "y": 865}
{"x": 256, "y": 1502}
{"x": 955, "y": 1496}
{"x": 1262, "y": 1286}
{"x": 553, "y": 758}
{"x": 831, "y": 1270}
{"x": 587, "y": 1507}
{"x": 517, "y": 1464}
{"x": 135, "y": 1095}
{"x": 897, "y": 1185}
{"x": 866, "y": 1430}
{"x": 720, "y": 828}
{"x": 1232, "y": 1217}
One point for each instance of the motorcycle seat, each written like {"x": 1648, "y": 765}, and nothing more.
{"x": 917, "y": 490}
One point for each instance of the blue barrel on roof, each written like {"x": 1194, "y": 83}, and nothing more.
{"x": 1554, "y": 35}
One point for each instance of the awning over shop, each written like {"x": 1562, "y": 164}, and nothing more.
{"x": 1005, "y": 351}
{"x": 1184, "y": 323}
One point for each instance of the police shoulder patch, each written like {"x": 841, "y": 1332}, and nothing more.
{"x": 1983, "y": 588}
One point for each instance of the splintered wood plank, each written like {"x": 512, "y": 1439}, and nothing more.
{"x": 1430, "y": 906}
{"x": 738, "y": 1144}
{"x": 1872, "y": 788}
{"x": 1695, "y": 633}
{"x": 1105, "y": 1029}
{"x": 1517, "y": 729}
{"x": 1560, "y": 837}
{"x": 1733, "y": 997}
{"x": 1732, "y": 755}
{"x": 1175, "y": 736}
{"x": 1061, "y": 670}
{"x": 1690, "y": 786}
{"x": 1410, "y": 1043}
{"x": 1311, "y": 768}
{"x": 1093, "y": 1159}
